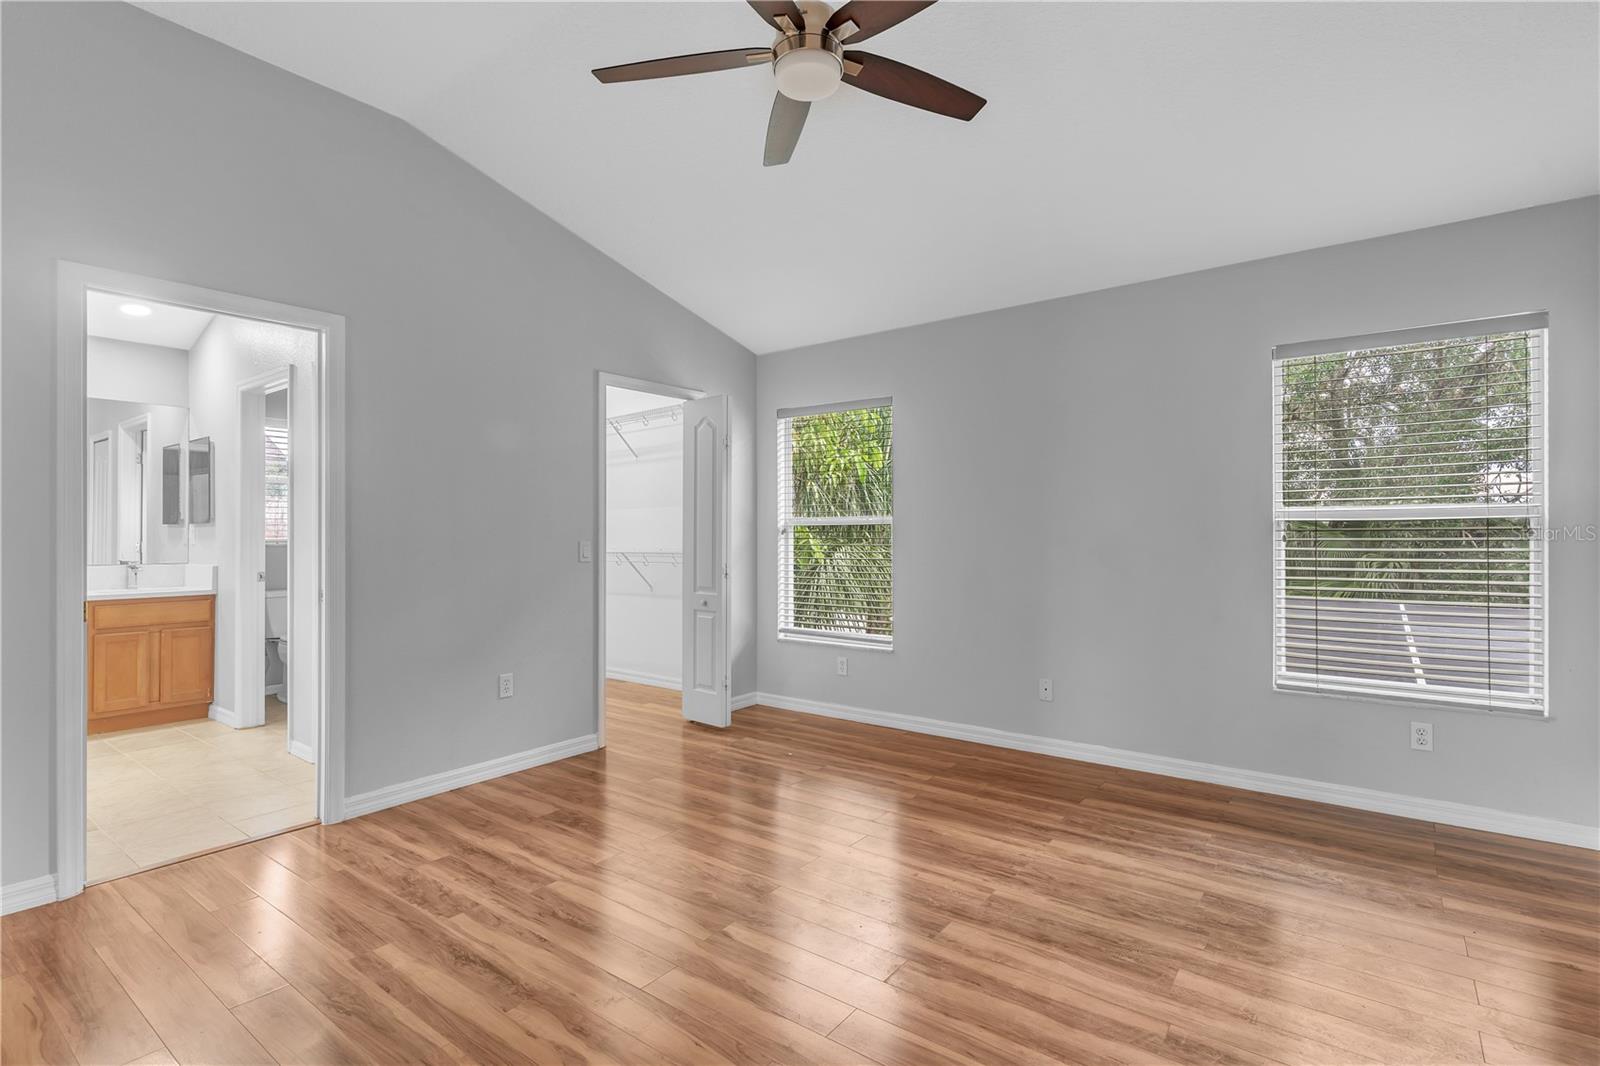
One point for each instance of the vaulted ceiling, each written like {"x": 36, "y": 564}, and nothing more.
{"x": 1121, "y": 142}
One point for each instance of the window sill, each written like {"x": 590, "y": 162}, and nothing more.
{"x": 1541, "y": 714}
{"x": 835, "y": 641}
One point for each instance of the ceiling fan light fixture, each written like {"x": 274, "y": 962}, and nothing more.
{"x": 809, "y": 63}
{"x": 808, "y": 73}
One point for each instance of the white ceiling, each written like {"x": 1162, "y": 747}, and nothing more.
{"x": 1122, "y": 141}
{"x": 166, "y": 325}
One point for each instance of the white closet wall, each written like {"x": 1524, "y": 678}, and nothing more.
{"x": 644, "y": 538}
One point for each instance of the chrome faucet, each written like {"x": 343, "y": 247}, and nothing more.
{"x": 133, "y": 572}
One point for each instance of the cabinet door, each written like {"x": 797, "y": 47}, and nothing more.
{"x": 186, "y": 664}
{"x": 123, "y": 673}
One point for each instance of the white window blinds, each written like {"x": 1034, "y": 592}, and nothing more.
{"x": 1409, "y": 516}
{"x": 277, "y": 483}
{"x": 836, "y": 524}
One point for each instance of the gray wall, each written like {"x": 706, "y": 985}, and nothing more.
{"x": 1083, "y": 493}
{"x": 476, "y": 326}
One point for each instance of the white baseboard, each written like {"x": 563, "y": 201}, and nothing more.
{"x": 433, "y": 784}
{"x": 749, "y": 699}
{"x": 219, "y": 713}
{"x": 273, "y": 690}
{"x": 25, "y": 894}
{"x": 655, "y": 680}
{"x": 302, "y": 752}
{"x": 1428, "y": 810}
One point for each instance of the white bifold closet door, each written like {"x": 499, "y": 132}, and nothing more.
{"x": 706, "y": 697}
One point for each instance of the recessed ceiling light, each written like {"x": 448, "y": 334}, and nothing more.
{"x": 135, "y": 310}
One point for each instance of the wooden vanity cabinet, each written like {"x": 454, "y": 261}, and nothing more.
{"x": 150, "y": 660}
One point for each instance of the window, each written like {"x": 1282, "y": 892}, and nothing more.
{"x": 836, "y": 524}
{"x": 1409, "y": 514}
{"x": 277, "y": 483}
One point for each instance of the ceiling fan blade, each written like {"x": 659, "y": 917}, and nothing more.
{"x": 872, "y": 17}
{"x": 672, "y": 66}
{"x": 908, "y": 85}
{"x": 771, "y": 9}
{"x": 783, "y": 129}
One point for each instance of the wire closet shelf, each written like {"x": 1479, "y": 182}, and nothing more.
{"x": 639, "y": 562}
{"x": 635, "y": 421}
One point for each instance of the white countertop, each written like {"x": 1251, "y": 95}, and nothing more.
{"x": 149, "y": 593}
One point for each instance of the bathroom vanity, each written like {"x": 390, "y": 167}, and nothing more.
{"x": 150, "y": 657}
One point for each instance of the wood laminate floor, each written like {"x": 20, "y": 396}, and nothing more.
{"x": 801, "y": 890}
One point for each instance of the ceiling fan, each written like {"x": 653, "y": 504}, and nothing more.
{"x": 809, "y": 61}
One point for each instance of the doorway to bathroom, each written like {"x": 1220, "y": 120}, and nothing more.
{"x": 204, "y": 439}
{"x": 661, "y": 568}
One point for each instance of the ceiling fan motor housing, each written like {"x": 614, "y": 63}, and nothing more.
{"x": 808, "y": 66}
{"x": 808, "y": 63}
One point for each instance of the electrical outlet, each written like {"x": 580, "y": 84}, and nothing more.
{"x": 505, "y": 686}
{"x": 844, "y": 666}
{"x": 1047, "y": 690}
{"x": 1422, "y": 736}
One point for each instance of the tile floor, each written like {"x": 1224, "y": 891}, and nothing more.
{"x": 161, "y": 793}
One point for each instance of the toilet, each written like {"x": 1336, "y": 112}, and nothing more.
{"x": 278, "y": 631}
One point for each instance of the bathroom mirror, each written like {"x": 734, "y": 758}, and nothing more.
{"x": 135, "y": 466}
{"x": 200, "y": 481}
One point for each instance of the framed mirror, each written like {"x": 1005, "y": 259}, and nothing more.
{"x": 200, "y": 481}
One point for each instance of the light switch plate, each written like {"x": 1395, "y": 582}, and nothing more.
{"x": 585, "y": 551}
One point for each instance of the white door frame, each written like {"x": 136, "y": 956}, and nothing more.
{"x": 250, "y": 552}
{"x": 603, "y": 380}
{"x": 73, "y": 281}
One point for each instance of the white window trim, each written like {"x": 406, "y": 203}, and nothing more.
{"x": 1374, "y": 692}
{"x": 787, "y": 632}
